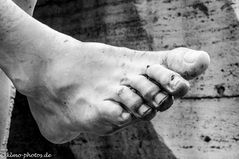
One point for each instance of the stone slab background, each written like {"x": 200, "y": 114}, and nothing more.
{"x": 203, "y": 125}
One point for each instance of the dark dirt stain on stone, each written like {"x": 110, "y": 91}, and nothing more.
{"x": 226, "y": 5}
{"x": 201, "y": 7}
{"x": 220, "y": 89}
{"x": 206, "y": 138}
{"x": 155, "y": 19}
{"x": 215, "y": 147}
{"x": 188, "y": 147}
{"x": 236, "y": 138}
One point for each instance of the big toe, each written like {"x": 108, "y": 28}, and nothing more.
{"x": 187, "y": 62}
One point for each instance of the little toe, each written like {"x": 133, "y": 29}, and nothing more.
{"x": 188, "y": 63}
{"x": 114, "y": 113}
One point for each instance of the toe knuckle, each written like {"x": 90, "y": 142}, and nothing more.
{"x": 135, "y": 102}
{"x": 138, "y": 100}
{"x": 150, "y": 92}
{"x": 120, "y": 91}
{"x": 125, "y": 81}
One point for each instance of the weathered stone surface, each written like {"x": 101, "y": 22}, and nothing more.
{"x": 140, "y": 141}
{"x": 201, "y": 129}
{"x": 194, "y": 128}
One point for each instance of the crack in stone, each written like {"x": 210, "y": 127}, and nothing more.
{"x": 211, "y": 97}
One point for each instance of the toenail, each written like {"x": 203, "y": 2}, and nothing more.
{"x": 166, "y": 104}
{"x": 125, "y": 116}
{"x": 190, "y": 56}
{"x": 143, "y": 109}
{"x": 160, "y": 98}
{"x": 163, "y": 101}
{"x": 146, "y": 112}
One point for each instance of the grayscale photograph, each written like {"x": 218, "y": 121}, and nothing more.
{"x": 119, "y": 79}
